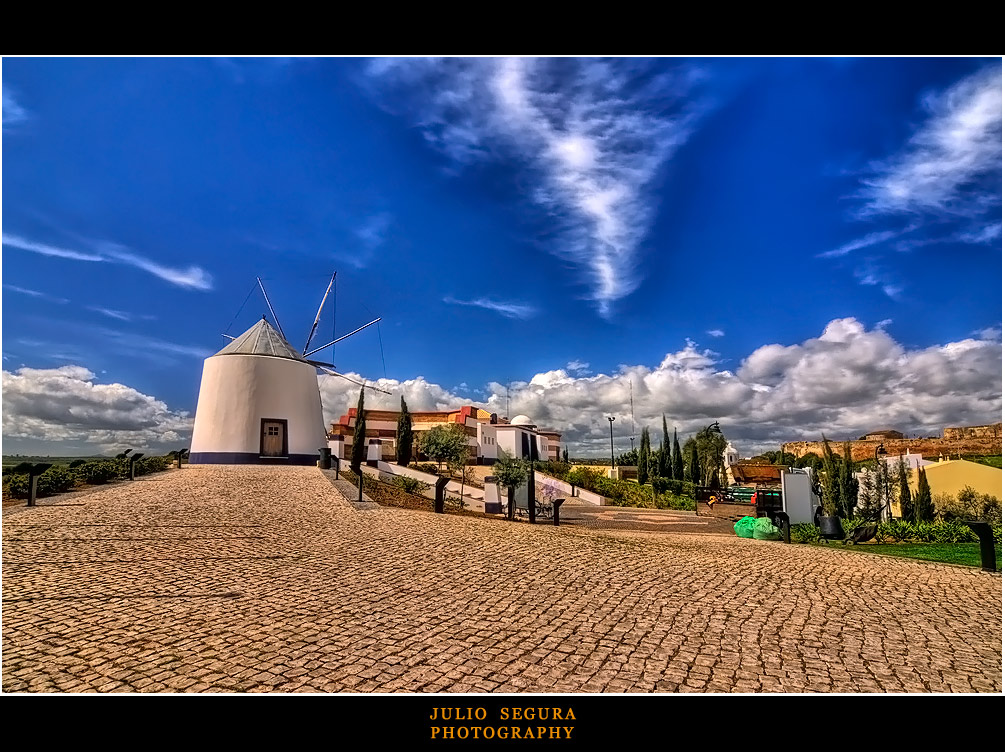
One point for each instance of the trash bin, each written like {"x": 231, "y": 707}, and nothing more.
{"x": 325, "y": 462}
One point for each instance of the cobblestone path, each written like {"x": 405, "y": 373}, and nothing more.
{"x": 266, "y": 579}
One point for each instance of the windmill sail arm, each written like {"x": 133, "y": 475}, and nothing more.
{"x": 330, "y": 372}
{"x": 336, "y": 341}
{"x": 317, "y": 318}
{"x": 269, "y": 304}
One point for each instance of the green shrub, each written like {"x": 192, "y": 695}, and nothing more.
{"x": 97, "y": 472}
{"x": 804, "y": 532}
{"x": 553, "y": 468}
{"x": 410, "y": 485}
{"x": 146, "y": 465}
{"x": 952, "y": 532}
{"x": 426, "y": 467}
{"x": 16, "y": 485}
{"x": 897, "y": 530}
{"x": 57, "y": 479}
{"x": 673, "y": 501}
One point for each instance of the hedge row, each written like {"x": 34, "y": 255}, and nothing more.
{"x": 666, "y": 494}
{"x": 62, "y": 478}
{"x": 898, "y": 531}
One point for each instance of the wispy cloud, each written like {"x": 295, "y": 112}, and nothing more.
{"x": 508, "y": 309}
{"x": 577, "y": 367}
{"x": 871, "y": 275}
{"x": 589, "y": 135}
{"x": 193, "y": 277}
{"x": 35, "y": 294}
{"x": 113, "y": 314}
{"x": 370, "y": 236}
{"x": 987, "y": 234}
{"x": 49, "y": 250}
{"x": 944, "y": 164}
{"x": 871, "y": 239}
{"x": 715, "y": 333}
{"x": 13, "y": 113}
{"x": 946, "y": 178}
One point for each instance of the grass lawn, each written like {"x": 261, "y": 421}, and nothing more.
{"x": 951, "y": 553}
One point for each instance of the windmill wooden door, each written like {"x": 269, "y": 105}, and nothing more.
{"x": 273, "y": 438}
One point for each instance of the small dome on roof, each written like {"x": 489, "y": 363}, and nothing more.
{"x": 522, "y": 420}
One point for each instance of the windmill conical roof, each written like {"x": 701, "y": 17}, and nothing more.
{"x": 261, "y": 339}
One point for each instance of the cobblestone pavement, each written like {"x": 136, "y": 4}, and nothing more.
{"x": 264, "y": 579}
{"x": 630, "y": 518}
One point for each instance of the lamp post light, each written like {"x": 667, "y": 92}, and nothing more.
{"x": 611, "y": 419}
{"x": 881, "y": 479}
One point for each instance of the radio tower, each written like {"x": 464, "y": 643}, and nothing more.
{"x": 631, "y": 401}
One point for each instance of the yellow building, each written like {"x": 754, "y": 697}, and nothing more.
{"x": 952, "y": 476}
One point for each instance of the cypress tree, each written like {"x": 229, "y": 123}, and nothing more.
{"x": 677, "y": 461}
{"x": 694, "y": 466}
{"x": 359, "y": 436}
{"x": 849, "y": 486}
{"x": 907, "y": 512}
{"x": 830, "y": 481}
{"x": 666, "y": 453}
{"x": 565, "y": 455}
{"x": 924, "y": 508}
{"x": 644, "y": 457}
{"x": 404, "y": 441}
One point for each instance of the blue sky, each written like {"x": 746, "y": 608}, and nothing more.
{"x": 789, "y": 246}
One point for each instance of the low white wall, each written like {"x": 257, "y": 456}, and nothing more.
{"x": 454, "y": 486}
{"x": 566, "y": 489}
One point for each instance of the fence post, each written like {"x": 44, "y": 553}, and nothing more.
{"x": 132, "y": 465}
{"x": 441, "y": 484}
{"x": 987, "y": 539}
{"x": 556, "y": 505}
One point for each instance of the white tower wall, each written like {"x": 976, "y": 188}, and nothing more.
{"x": 238, "y": 391}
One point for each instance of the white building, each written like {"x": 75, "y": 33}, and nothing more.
{"x": 259, "y": 402}
{"x": 486, "y": 433}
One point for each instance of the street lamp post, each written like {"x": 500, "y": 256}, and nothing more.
{"x": 611, "y": 419}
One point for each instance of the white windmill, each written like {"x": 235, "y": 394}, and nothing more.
{"x": 259, "y": 400}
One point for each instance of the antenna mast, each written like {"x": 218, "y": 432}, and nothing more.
{"x": 631, "y": 401}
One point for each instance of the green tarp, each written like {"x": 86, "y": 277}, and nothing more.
{"x": 764, "y": 530}
{"x": 744, "y": 527}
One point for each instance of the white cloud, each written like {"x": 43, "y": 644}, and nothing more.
{"x": 45, "y": 249}
{"x": 35, "y": 294}
{"x": 111, "y": 313}
{"x": 715, "y": 333}
{"x": 863, "y": 242}
{"x": 987, "y": 234}
{"x": 943, "y": 164}
{"x": 510, "y": 310}
{"x": 13, "y": 112}
{"x": 591, "y": 135}
{"x": 370, "y": 236}
{"x": 66, "y": 405}
{"x": 870, "y": 274}
{"x": 842, "y": 383}
{"x": 193, "y": 277}
{"x": 577, "y": 367}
